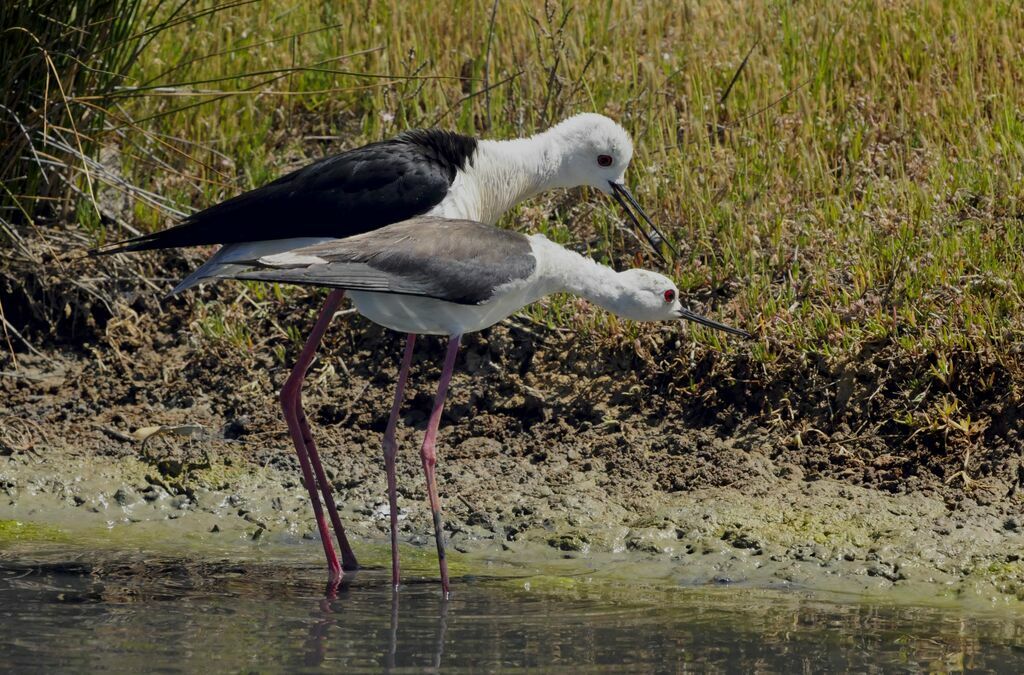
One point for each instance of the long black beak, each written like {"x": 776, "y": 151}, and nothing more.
{"x": 710, "y": 323}
{"x": 654, "y": 236}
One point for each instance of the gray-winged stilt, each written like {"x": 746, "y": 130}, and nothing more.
{"x": 422, "y": 172}
{"x": 450, "y": 277}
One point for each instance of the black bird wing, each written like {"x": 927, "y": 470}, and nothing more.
{"x": 339, "y": 196}
{"x": 460, "y": 261}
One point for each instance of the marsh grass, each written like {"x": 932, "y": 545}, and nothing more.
{"x": 857, "y": 191}
{"x": 862, "y": 178}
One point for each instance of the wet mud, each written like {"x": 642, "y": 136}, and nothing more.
{"x": 553, "y": 447}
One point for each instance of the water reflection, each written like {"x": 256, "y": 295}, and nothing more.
{"x": 389, "y": 655}
{"x": 154, "y": 613}
{"x": 331, "y": 611}
{"x": 324, "y": 618}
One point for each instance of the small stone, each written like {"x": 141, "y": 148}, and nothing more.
{"x": 744, "y": 540}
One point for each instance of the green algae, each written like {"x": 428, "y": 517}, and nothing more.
{"x": 571, "y": 541}
{"x": 18, "y": 532}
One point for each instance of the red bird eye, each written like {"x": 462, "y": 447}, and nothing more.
{"x": 604, "y": 160}
{"x": 670, "y": 295}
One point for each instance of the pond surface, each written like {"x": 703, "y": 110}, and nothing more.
{"x": 77, "y": 611}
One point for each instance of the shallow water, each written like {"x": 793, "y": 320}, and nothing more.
{"x": 89, "y": 610}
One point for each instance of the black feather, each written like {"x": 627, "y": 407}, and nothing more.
{"x": 347, "y": 194}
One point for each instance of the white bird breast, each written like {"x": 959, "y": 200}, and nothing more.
{"x": 429, "y": 316}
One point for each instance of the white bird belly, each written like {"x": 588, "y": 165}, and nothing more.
{"x": 429, "y": 316}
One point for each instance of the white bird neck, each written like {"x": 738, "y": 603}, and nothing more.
{"x": 564, "y": 271}
{"x": 504, "y": 173}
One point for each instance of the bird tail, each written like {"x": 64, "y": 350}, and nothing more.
{"x": 144, "y": 242}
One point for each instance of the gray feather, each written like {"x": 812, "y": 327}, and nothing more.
{"x": 459, "y": 261}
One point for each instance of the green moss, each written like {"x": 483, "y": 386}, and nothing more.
{"x": 571, "y": 541}
{"x": 217, "y": 475}
{"x": 1006, "y": 570}
{"x": 16, "y": 531}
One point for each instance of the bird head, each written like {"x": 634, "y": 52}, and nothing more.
{"x": 593, "y": 150}
{"x": 649, "y": 296}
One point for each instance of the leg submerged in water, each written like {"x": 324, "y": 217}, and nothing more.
{"x": 429, "y": 456}
{"x": 391, "y": 450}
{"x": 309, "y": 459}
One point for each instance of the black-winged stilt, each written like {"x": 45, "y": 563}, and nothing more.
{"x": 451, "y": 277}
{"x": 422, "y": 172}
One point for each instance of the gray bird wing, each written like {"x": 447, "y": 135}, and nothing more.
{"x": 459, "y": 261}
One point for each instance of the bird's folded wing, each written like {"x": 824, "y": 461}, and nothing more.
{"x": 338, "y": 196}
{"x": 458, "y": 261}
{"x": 354, "y": 276}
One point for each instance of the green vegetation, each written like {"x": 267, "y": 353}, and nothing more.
{"x": 852, "y": 192}
{"x": 14, "y": 532}
{"x": 61, "y": 59}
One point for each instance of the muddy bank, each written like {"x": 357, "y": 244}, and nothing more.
{"x": 785, "y": 532}
{"x": 535, "y": 465}
{"x": 555, "y": 444}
